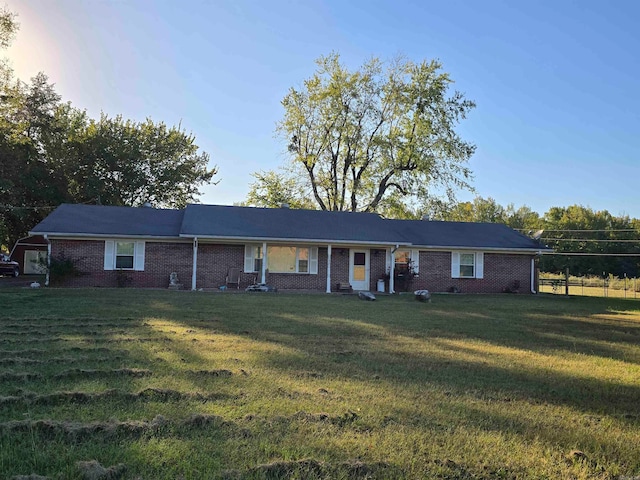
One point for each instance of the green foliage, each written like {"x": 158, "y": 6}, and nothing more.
{"x": 122, "y": 162}
{"x": 361, "y": 138}
{"x": 573, "y": 229}
{"x": 600, "y": 226}
{"x": 8, "y": 27}
{"x": 60, "y": 268}
{"x": 123, "y": 278}
{"x": 272, "y": 189}
{"x": 53, "y": 153}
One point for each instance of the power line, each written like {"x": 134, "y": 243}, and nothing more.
{"x": 580, "y": 254}
{"x": 14, "y": 207}
{"x": 589, "y": 240}
{"x": 595, "y": 230}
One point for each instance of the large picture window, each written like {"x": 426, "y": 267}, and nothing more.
{"x": 288, "y": 259}
{"x": 281, "y": 259}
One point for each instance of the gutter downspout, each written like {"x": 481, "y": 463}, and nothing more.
{"x": 195, "y": 263}
{"x": 533, "y": 275}
{"x": 46, "y": 280}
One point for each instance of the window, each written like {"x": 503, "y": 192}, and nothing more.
{"x": 124, "y": 254}
{"x": 281, "y": 259}
{"x": 288, "y": 259}
{"x": 405, "y": 260}
{"x": 403, "y": 257}
{"x": 303, "y": 260}
{"x": 467, "y": 264}
{"x": 253, "y": 258}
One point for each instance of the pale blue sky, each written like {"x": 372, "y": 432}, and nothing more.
{"x": 556, "y": 82}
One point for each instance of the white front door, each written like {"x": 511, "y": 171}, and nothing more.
{"x": 359, "y": 269}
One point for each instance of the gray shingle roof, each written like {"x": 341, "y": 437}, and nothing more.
{"x": 226, "y": 222}
{"x": 463, "y": 234}
{"x": 284, "y": 223}
{"x": 106, "y": 220}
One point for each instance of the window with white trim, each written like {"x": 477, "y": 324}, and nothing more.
{"x": 290, "y": 259}
{"x": 253, "y": 256}
{"x": 124, "y": 255}
{"x": 467, "y": 264}
{"x": 406, "y": 260}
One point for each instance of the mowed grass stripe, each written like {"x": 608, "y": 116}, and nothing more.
{"x": 331, "y": 387}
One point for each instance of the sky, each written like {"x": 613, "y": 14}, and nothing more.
{"x": 557, "y": 121}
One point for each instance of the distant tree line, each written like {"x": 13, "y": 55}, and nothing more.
{"x": 52, "y": 153}
{"x": 574, "y": 229}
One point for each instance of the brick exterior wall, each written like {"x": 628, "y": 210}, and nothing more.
{"x": 378, "y": 268}
{"x": 161, "y": 259}
{"x": 215, "y": 260}
{"x": 500, "y": 271}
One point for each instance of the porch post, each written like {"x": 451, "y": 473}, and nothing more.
{"x": 264, "y": 262}
{"x": 329, "y": 268}
{"x": 46, "y": 280}
{"x": 195, "y": 263}
{"x": 392, "y": 265}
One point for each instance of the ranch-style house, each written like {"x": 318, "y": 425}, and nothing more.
{"x": 288, "y": 249}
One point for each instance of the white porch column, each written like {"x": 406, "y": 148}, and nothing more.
{"x": 329, "y": 268}
{"x": 392, "y": 265}
{"x": 264, "y": 262}
{"x": 46, "y": 280}
{"x": 195, "y": 263}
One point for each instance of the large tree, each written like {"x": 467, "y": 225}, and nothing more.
{"x": 121, "y": 162}
{"x": 51, "y": 153}
{"x": 377, "y": 138}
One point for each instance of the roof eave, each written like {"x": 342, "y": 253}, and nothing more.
{"x": 484, "y": 249}
{"x": 87, "y": 236}
{"x": 321, "y": 241}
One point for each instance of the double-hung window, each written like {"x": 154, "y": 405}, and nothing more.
{"x": 253, "y": 258}
{"x": 124, "y": 255}
{"x": 467, "y": 264}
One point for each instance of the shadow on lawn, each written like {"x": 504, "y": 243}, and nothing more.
{"x": 352, "y": 338}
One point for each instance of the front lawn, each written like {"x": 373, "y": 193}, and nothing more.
{"x": 168, "y": 385}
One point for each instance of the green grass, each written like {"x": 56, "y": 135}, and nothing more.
{"x": 166, "y": 385}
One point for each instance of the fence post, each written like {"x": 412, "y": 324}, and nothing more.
{"x": 566, "y": 282}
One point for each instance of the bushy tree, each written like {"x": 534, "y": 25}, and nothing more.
{"x": 52, "y": 153}
{"x": 377, "y": 137}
